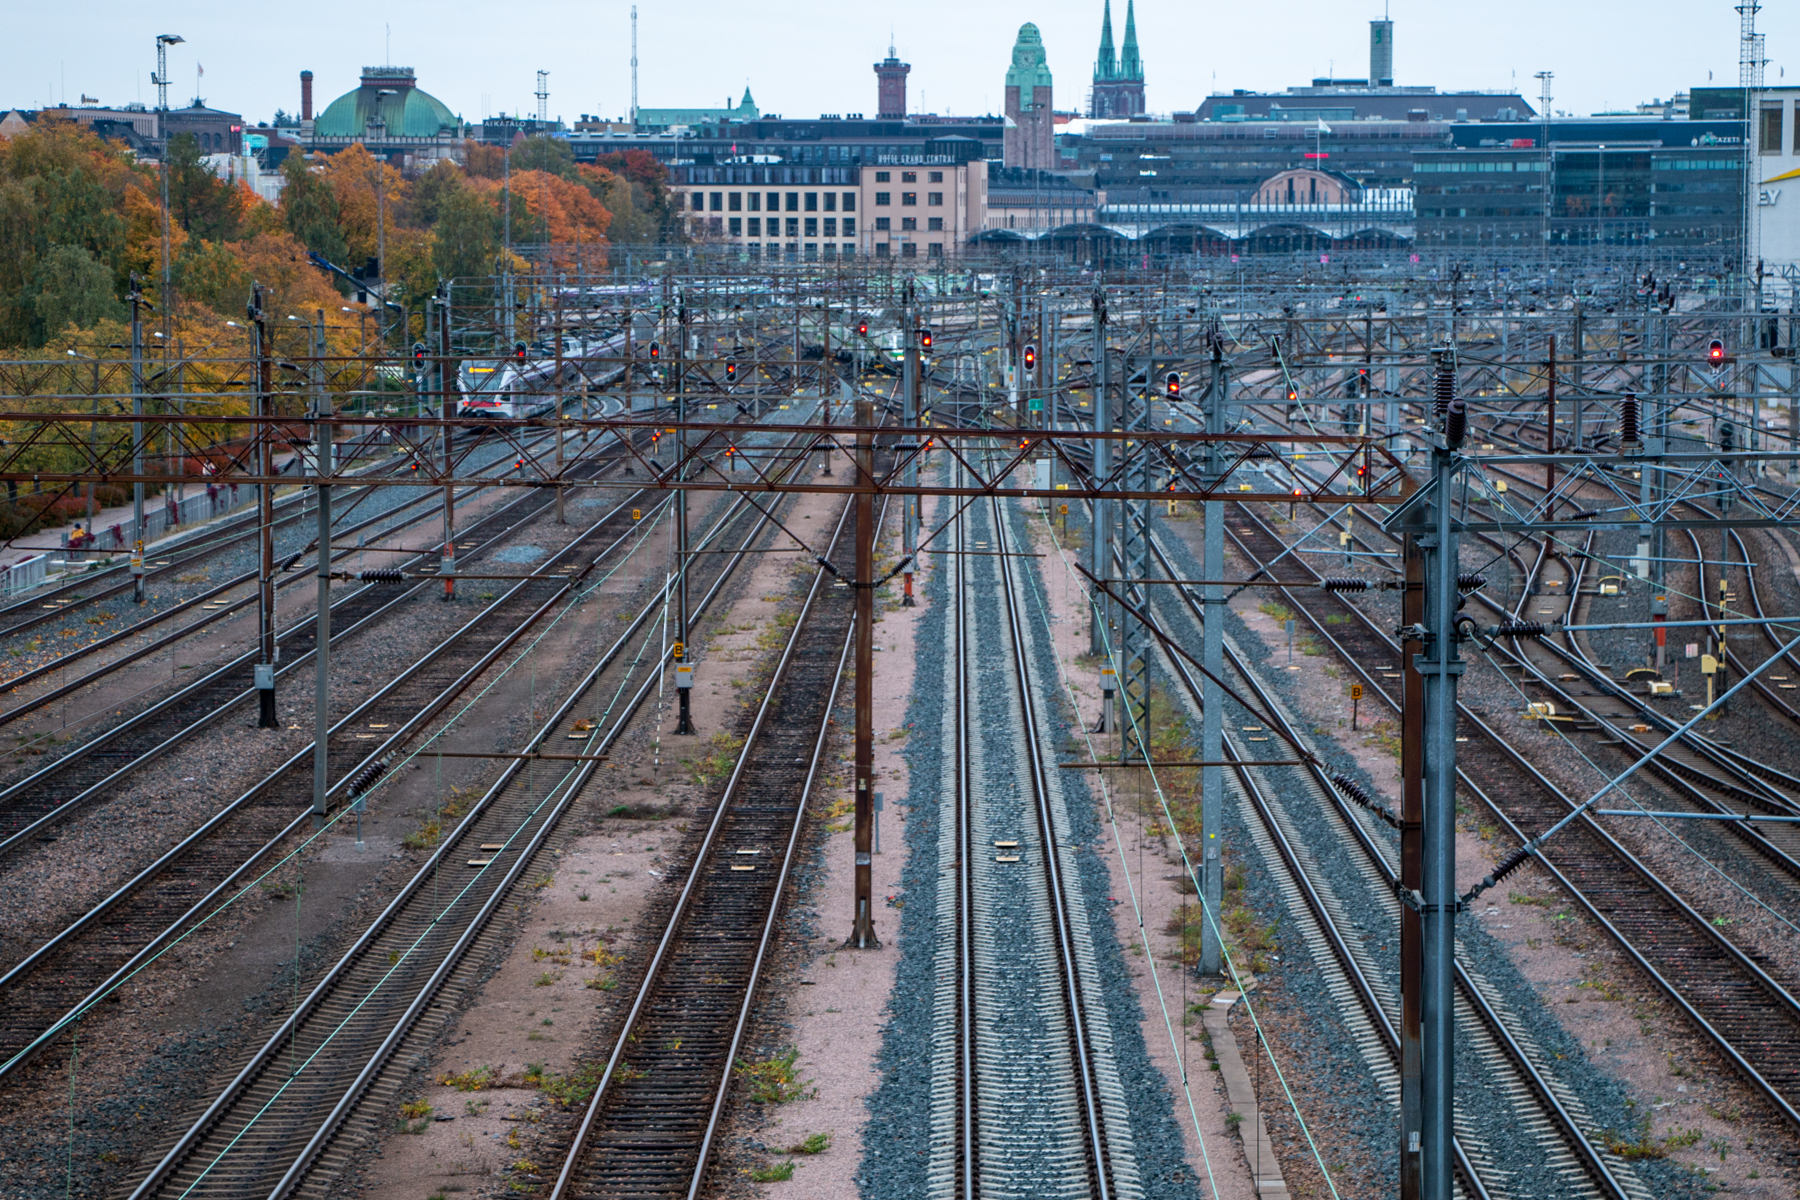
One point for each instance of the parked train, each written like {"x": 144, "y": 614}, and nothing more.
{"x": 522, "y": 386}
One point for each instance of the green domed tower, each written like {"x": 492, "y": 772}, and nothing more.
{"x": 389, "y": 113}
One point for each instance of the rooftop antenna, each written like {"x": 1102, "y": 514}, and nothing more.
{"x": 543, "y": 96}
{"x": 387, "y": 44}
{"x": 634, "y": 66}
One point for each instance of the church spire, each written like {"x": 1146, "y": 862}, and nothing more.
{"x": 1106, "y": 67}
{"x": 1130, "y": 66}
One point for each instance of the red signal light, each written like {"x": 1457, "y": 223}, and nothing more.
{"x": 1173, "y": 382}
{"x": 1715, "y": 352}
{"x": 1031, "y": 358}
{"x": 925, "y": 339}
{"x": 862, "y": 328}
{"x": 1293, "y": 395}
{"x": 655, "y": 351}
{"x": 519, "y": 351}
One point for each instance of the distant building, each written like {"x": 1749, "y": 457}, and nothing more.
{"x": 1030, "y": 202}
{"x": 1118, "y": 91}
{"x": 389, "y": 114}
{"x": 1030, "y": 105}
{"x": 503, "y": 130}
{"x": 926, "y": 211}
{"x": 891, "y": 96}
{"x": 1775, "y": 213}
{"x": 810, "y": 150}
{"x": 1594, "y": 180}
{"x": 1307, "y": 185}
{"x": 216, "y": 131}
{"x": 1333, "y": 100}
{"x": 655, "y": 120}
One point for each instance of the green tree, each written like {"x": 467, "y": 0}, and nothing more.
{"x": 466, "y": 236}
{"x": 211, "y": 273}
{"x": 548, "y": 154}
{"x": 71, "y": 287}
{"x": 206, "y": 205}
{"x": 309, "y": 209}
{"x": 650, "y": 191}
{"x": 425, "y": 200}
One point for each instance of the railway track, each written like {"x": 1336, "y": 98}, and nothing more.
{"x": 1743, "y": 1006}
{"x": 1026, "y": 1097}
{"x": 30, "y": 807}
{"x": 94, "y": 586}
{"x": 299, "y": 1107}
{"x": 213, "y": 604}
{"x": 1517, "y": 1073}
{"x": 1699, "y": 772}
{"x": 66, "y": 973}
{"x": 649, "y": 1128}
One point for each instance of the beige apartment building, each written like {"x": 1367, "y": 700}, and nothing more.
{"x": 912, "y": 208}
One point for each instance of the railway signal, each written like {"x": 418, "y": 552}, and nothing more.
{"x": 731, "y": 370}
{"x": 1715, "y": 353}
{"x": 925, "y": 340}
{"x": 418, "y": 356}
{"x": 519, "y": 351}
{"x": 655, "y": 352}
{"x": 1172, "y": 381}
{"x": 862, "y": 329}
{"x": 1031, "y": 360}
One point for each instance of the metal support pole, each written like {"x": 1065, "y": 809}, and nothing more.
{"x": 1440, "y": 666}
{"x": 862, "y": 934}
{"x": 684, "y": 722}
{"x": 1098, "y": 551}
{"x": 561, "y": 519}
{"x": 1550, "y": 431}
{"x": 322, "y": 654}
{"x": 1412, "y": 850}
{"x": 137, "y": 445}
{"x": 265, "y": 569}
{"x": 447, "y": 393}
{"x": 909, "y": 524}
{"x": 1212, "y": 703}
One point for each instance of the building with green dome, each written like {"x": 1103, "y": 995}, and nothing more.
{"x": 391, "y": 115}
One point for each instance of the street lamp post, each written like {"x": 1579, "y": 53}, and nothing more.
{"x": 163, "y": 42}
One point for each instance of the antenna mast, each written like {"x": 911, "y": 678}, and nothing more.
{"x": 634, "y": 66}
{"x": 543, "y": 97}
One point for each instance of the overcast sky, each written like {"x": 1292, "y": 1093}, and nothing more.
{"x": 805, "y": 57}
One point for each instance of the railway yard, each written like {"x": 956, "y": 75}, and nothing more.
{"x": 1226, "y": 729}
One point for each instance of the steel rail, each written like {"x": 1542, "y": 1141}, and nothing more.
{"x": 1079, "y": 1049}
{"x": 297, "y": 762}
{"x": 1589, "y": 1155}
{"x": 526, "y": 508}
{"x": 1747, "y": 968}
{"x": 570, "y": 792}
{"x": 566, "y": 1178}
